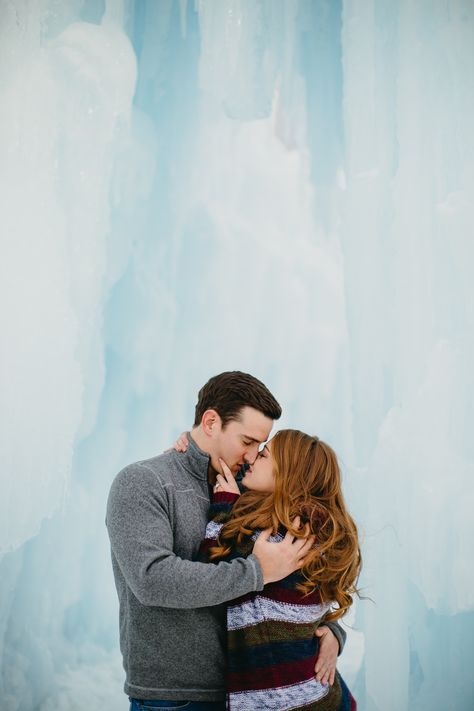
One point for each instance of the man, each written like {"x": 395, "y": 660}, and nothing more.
{"x": 172, "y": 620}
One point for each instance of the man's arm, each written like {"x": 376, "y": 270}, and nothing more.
{"x": 142, "y": 543}
{"x": 329, "y": 648}
{"x": 338, "y": 631}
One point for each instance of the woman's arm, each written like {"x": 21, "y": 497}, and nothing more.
{"x": 219, "y": 514}
{"x": 226, "y": 492}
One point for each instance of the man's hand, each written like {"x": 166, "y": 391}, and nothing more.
{"x": 325, "y": 669}
{"x": 281, "y": 559}
{"x": 226, "y": 480}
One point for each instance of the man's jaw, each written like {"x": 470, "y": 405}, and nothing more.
{"x": 234, "y": 468}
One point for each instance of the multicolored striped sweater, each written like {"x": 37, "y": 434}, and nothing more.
{"x": 272, "y": 648}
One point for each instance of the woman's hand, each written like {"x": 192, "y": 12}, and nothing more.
{"x": 226, "y": 480}
{"x": 325, "y": 669}
{"x": 181, "y": 444}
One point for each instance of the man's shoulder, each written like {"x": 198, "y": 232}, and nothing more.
{"x": 162, "y": 465}
{"x": 159, "y": 469}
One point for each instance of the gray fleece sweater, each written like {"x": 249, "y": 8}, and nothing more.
{"x": 172, "y": 620}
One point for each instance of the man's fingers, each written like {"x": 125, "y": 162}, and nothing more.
{"x": 305, "y": 545}
{"x": 325, "y": 667}
{"x": 296, "y": 522}
{"x": 265, "y": 533}
{"x": 325, "y": 676}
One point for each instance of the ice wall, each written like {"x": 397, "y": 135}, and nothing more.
{"x": 279, "y": 186}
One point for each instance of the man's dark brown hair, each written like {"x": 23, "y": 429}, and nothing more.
{"x": 227, "y": 393}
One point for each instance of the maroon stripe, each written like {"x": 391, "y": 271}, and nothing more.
{"x": 205, "y": 547}
{"x": 281, "y": 594}
{"x": 293, "y": 597}
{"x": 207, "y": 544}
{"x": 272, "y": 677}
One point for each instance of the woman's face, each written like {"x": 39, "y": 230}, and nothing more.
{"x": 260, "y": 476}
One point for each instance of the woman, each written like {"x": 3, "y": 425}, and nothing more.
{"x": 271, "y": 640}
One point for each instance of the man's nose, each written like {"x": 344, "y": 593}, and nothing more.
{"x": 251, "y": 456}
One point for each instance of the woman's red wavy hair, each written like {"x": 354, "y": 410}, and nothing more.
{"x": 308, "y": 484}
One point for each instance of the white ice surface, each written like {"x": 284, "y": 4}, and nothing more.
{"x": 286, "y": 188}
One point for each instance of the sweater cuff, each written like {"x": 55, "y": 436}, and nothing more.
{"x": 258, "y": 571}
{"x": 224, "y": 497}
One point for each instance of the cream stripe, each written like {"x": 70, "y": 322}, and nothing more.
{"x": 261, "y": 608}
{"x": 280, "y": 699}
{"x": 213, "y": 529}
{"x": 273, "y": 538}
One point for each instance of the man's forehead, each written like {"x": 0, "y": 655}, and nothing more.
{"x": 254, "y": 425}
{"x": 257, "y": 433}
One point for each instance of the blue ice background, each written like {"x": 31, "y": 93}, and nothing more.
{"x": 280, "y": 186}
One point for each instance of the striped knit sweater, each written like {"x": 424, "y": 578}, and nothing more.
{"x": 271, "y": 643}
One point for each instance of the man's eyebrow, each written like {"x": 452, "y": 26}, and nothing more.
{"x": 259, "y": 441}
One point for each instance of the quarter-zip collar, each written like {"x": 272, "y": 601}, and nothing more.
{"x": 195, "y": 460}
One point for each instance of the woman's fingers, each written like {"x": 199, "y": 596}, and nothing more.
{"x": 226, "y": 484}
{"x": 225, "y": 469}
{"x": 183, "y": 441}
{"x": 181, "y": 444}
{"x": 220, "y": 480}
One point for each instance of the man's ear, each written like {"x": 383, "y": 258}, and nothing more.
{"x": 211, "y": 422}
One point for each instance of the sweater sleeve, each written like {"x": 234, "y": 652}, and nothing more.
{"x": 141, "y": 538}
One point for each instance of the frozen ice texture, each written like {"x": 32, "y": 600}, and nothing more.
{"x": 284, "y": 187}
